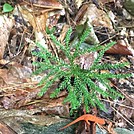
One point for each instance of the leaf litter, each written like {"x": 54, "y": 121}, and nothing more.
{"x": 109, "y": 20}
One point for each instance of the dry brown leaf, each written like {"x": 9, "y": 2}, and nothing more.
{"x": 121, "y": 48}
{"x": 3, "y": 61}
{"x": 94, "y": 14}
{"x": 110, "y": 129}
{"x": 87, "y": 59}
{"x": 27, "y": 96}
{"x": 55, "y": 107}
{"x": 39, "y": 18}
{"x": 3, "y": 77}
{"x": 127, "y": 112}
{"x": 81, "y": 13}
{"x": 38, "y": 23}
{"x": 16, "y": 73}
{"x": 52, "y": 20}
{"x": 78, "y": 3}
{"x": 41, "y": 22}
{"x": 6, "y": 25}
{"x": 63, "y": 33}
{"x": 54, "y": 4}
{"x": 106, "y": 1}
{"x": 18, "y": 98}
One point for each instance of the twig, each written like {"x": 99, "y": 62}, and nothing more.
{"x": 123, "y": 93}
{"x": 123, "y": 117}
{"x": 118, "y": 104}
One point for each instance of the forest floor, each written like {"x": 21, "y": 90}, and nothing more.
{"x": 25, "y": 22}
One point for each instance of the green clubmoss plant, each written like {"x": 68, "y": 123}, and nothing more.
{"x": 81, "y": 84}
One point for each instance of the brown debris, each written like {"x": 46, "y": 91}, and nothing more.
{"x": 120, "y": 48}
{"x": 4, "y": 129}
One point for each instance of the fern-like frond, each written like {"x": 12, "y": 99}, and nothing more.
{"x": 67, "y": 38}
{"x": 101, "y": 53}
{"x": 81, "y": 85}
{"x": 110, "y": 66}
{"x": 82, "y": 39}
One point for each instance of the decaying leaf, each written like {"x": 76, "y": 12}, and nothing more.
{"x": 94, "y": 14}
{"x": 54, "y": 4}
{"x": 78, "y": 3}
{"x": 121, "y": 48}
{"x": 38, "y": 15}
{"x": 15, "y": 74}
{"x": 127, "y": 111}
{"x": 18, "y": 98}
{"x": 87, "y": 60}
{"x": 6, "y": 25}
{"x": 3, "y": 77}
{"x": 106, "y": 1}
{"x": 38, "y": 22}
{"x": 81, "y": 13}
{"x": 63, "y": 33}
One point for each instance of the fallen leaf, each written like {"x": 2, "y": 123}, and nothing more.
{"x": 94, "y": 14}
{"x": 121, "y": 48}
{"x": 16, "y": 73}
{"x": 18, "y": 98}
{"x": 78, "y": 3}
{"x": 110, "y": 128}
{"x": 38, "y": 23}
{"x": 106, "y": 1}
{"x": 81, "y": 13}
{"x": 63, "y": 33}
{"x": 126, "y": 110}
{"x": 6, "y": 25}
{"x": 3, "y": 77}
{"x": 86, "y": 60}
{"x": 54, "y": 4}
